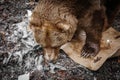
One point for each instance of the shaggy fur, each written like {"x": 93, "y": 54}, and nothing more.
{"x": 54, "y": 22}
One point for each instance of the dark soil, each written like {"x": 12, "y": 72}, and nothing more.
{"x": 12, "y": 64}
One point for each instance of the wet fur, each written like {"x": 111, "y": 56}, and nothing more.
{"x": 54, "y": 22}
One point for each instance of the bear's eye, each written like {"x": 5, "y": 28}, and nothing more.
{"x": 63, "y": 27}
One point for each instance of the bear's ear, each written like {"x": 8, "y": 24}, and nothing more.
{"x": 63, "y": 26}
{"x": 35, "y": 19}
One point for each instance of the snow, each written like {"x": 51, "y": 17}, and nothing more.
{"x": 53, "y": 66}
{"x": 6, "y": 60}
{"x": 29, "y": 13}
{"x": 38, "y": 62}
{"x": 18, "y": 53}
{"x": 24, "y": 77}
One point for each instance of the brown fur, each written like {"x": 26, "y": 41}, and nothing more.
{"x": 54, "y": 23}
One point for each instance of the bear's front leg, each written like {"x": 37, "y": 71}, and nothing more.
{"x": 93, "y": 34}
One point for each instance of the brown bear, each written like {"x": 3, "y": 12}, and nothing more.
{"x": 55, "y": 22}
